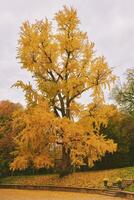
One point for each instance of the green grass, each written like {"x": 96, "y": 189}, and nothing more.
{"x": 130, "y": 188}
{"x": 93, "y": 179}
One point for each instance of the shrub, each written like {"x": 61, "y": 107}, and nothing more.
{"x": 119, "y": 182}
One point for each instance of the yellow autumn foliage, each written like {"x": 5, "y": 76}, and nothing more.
{"x": 63, "y": 65}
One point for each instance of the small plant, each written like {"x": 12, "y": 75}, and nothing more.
{"x": 119, "y": 182}
{"x": 105, "y": 181}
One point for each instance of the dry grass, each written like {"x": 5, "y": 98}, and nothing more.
{"x": 81, "y": 179}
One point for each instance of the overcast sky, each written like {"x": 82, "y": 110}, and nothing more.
{"x": 109, "y": 23}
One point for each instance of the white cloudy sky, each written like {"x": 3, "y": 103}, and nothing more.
{"x": 109, "y": 23}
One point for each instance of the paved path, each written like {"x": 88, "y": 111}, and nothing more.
{"x": 12, "y": 194}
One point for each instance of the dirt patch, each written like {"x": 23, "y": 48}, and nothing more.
{"x": 12, "y": 194}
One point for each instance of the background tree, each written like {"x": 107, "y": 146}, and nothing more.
{"x": 7, "y": 145}
{"x": 120, "y": 128}
{"x": 64, "y": 66}
{"x": 124, "y": 94}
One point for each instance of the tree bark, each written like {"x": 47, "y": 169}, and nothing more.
{"x": 66, "y": 167}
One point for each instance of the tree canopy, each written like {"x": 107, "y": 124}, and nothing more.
{"x": 63, "y": 65}
{"x": 124, "y": 94}
{"x": 7, "y": 134}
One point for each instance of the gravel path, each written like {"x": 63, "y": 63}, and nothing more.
{"x": 10, "y": 194}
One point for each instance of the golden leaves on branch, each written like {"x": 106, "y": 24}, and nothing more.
{"x": 63, "y": 64}
{"x": 36, "y": 138}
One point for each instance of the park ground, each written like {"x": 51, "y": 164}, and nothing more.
{"x": 9, "y": 194}
{"x": 92, "y": 179}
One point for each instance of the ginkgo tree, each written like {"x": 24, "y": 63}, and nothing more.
{"x": 63, "y": 65}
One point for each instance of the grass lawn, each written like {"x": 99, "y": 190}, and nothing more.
{"x": 93, "y": 179}
{"x": 130, "y": 188}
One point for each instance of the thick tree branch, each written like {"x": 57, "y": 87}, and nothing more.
{"x": 56, "y": 112}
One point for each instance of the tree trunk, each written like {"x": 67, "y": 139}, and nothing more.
{"x": 66, "y": 167}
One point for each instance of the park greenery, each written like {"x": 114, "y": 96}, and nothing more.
{"x": 56, "y": 131}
